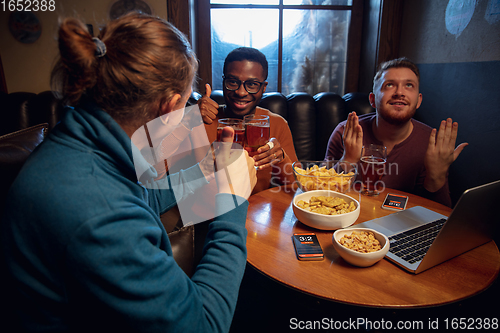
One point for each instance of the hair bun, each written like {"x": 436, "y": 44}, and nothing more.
{"x": 100, "y": 50}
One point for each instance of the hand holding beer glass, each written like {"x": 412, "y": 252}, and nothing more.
{"x": 257, "y": 132}
{"x": 238, "y": 126}
{"x": 373, "y": 159}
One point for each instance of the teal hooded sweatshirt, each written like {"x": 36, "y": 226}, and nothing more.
{"x": 86, "y": 249}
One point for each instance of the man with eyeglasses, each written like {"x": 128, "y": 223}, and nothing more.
{"x": 244, "y": 82}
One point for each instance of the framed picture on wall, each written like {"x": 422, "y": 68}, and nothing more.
{"x": 25, "y": 26}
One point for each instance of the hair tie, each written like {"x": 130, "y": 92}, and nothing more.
{"x": 100, "y": 47}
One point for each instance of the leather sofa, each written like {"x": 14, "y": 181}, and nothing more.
{"x": 28, "y": 117}
{"x": 21, "y": 110}
{"x": 311, "y": 118}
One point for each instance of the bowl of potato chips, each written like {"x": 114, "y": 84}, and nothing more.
{"x": 360, "y": 247}
{"x": 325, "y": 210}
{"x": 331, "y": 175}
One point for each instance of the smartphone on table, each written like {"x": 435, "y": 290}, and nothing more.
{"x": 307, "y": 246}
{"x": 395, "y": 202}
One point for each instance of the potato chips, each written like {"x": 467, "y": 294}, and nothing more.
{"x": 321, "y": 178}
{"x": 364, "y": 242}
{"x": 327, "y": 205}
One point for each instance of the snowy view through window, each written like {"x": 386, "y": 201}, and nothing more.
{"x": 314, "y": 42}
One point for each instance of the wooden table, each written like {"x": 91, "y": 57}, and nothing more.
{"x": 271, "y": 223}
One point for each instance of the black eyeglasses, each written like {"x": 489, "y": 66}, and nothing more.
{"x": 251, "y": 86}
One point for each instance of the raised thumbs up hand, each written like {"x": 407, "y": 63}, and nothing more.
{"x": 208, "y": 107}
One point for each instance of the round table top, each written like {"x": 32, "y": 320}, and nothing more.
{"x": 271, "y": 224}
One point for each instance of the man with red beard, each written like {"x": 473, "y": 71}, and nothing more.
{"x": 244, "y": 82}
{"x": 418, "y": 157}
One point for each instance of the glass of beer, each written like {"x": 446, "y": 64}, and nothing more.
{"x": 372, "y": 168}
{"x": 239, "y": 129}
{"x": 257, "y": 132}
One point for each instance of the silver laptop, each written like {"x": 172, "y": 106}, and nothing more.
{"x": 421, "y": 238}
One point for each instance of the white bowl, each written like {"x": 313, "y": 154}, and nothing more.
{"x": 357, "y": 258}
{"x": 322, "y": 221}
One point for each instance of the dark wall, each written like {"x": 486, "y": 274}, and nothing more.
{"x": 456, "y": 45}
{"x": 444, "y": 32}
{"x": 468, "y": 93}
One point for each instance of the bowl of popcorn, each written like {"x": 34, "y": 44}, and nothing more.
{"x": 325, "y": 210}
{"x": 330, "y": 175}
{"x": 360, "y": 247}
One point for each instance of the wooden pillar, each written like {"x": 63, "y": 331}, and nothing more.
{"x": 382, "y": 21}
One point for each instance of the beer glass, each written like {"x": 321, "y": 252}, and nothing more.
{"x": 257, "y": 132}
{"x": 372, "y": 168}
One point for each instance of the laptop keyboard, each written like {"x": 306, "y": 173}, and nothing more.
{"x": 412, "y": 245}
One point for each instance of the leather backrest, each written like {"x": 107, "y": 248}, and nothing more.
{"x": 331, "y": 110}
{"x": 14, "y": 150}
{"x": 45, "y": 107}
{"x": 302, "y": 123}
{"x": 358, "y": 102}
{"x": 275, "y": 102}
{"x": 21, "y": 110}
{"x": 218, "y": 96}
{"x": 311, "y": 124}
{"x": 14, "y": 112}
{"x": 311, "y": 119}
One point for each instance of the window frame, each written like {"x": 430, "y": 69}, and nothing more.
{"x": 201, "y": 39}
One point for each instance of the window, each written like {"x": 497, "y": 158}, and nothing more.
{"x": 307, "y": 42}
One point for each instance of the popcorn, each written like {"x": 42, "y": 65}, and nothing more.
{"x": 364, "y": 242}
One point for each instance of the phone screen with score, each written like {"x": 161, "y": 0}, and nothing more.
{"x": 307, "y": 246}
